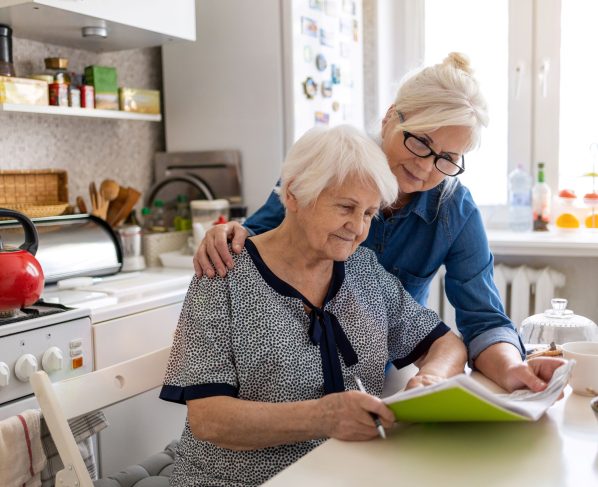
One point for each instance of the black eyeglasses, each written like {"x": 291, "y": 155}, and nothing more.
{"x": 419, "y": 147}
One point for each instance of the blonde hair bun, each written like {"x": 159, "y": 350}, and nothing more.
{"x": 458, "y": 61}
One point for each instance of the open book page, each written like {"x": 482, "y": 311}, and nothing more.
{"x": 462, "y": 398}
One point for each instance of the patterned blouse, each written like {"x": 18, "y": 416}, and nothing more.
{"x": 247, "y": 335}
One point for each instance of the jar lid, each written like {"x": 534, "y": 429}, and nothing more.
{"x": 209, "y": 204}
{"x": 5, "y": 30}
{"x": 56, "y": 62}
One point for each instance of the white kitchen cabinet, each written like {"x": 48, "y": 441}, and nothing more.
{"x": 131, "y": 24}
{"x": 130, "y": 439}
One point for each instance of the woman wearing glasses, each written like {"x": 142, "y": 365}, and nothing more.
{"x": 437, "y": 117}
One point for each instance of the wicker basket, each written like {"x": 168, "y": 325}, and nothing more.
{"x": 36, "y": 193}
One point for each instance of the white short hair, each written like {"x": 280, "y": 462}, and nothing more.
{"x": 325, "y": 157}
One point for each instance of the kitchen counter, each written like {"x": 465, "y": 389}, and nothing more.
{"x": 560, "y": 450}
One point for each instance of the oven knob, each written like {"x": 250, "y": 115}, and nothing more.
{"x": 4, "y": 374}
{"x": 52, "y": 360}
{"x": 25, "y": 367}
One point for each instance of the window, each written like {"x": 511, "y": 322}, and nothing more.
{"x": 480, "y": 30}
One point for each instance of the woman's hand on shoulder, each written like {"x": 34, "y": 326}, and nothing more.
{"x": 213, "y": 252}
{"x": 346, "y": 415}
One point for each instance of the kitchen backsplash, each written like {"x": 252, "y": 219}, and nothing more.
{"x": 89, "y": 149}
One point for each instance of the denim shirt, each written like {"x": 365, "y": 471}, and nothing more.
{"x": 422, "y": 236}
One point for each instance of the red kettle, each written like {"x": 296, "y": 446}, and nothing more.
{"x": 21, "y": 276}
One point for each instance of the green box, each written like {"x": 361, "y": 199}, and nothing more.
{"x": 105, "y": 84}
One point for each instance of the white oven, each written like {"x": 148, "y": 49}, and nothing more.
{"x": 132, "y": 314}
{"x": 41, "y": 337}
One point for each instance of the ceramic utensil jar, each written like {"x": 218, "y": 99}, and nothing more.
{"x": 559, "y": 325}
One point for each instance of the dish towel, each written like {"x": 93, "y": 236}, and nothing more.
{"x": 83, "y": 428}
{"x": 22, "y": 457}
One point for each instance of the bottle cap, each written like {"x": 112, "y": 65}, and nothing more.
{"x": 145, "y": 210}
{"x": 56, "y": 62}
{"x": 182, "y": 198}
{"x": 158, "y": 203}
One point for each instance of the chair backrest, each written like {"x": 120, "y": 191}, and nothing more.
{"x": 61, "y": 401}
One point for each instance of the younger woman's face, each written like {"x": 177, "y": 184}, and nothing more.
{"x": 415, "y": 173}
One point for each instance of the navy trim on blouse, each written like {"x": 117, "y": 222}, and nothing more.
{"x": 423, "y": 346}
{"x": 181, "y": 395}
{"x": 324, "y": 330}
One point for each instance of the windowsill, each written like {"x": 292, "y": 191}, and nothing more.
{"x": 562, "y": 243}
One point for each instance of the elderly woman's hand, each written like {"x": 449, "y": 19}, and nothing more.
{"x": 346, "y": 415}
{"x": 213, "y": 250}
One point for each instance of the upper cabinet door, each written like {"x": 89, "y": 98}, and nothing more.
{"x": 129, "y": 24}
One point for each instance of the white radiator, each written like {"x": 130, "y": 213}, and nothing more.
{"x": 524, "y": 291}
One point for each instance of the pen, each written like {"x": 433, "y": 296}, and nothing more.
{"x": 375, "y": 417}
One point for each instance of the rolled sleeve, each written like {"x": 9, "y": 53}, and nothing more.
{"x": 490, "y": 337}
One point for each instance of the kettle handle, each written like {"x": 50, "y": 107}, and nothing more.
{"x": 31, "y": 239}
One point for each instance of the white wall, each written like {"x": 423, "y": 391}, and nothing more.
{"x": 225, "y": 91}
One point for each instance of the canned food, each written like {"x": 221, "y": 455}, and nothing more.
{"x": 87, "y": 96}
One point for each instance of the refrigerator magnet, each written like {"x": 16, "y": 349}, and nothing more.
{"x": 349, "y": 6}
{"x": 308, "y": 54}
{"x": 336, "y": 106}
{"x": 322, "y": 118}
{"x": 345, "y": 27}
{"x": 355, "y": 30}
{"x": 321, "y": 62}
{"x": 309, "y": 27}
{"x": 326, "y": 89}
{"x": 335, "y": 74}
{"x": 310, "y": 88}
{"x": 316, "y": 4}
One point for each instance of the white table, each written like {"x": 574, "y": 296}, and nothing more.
{"x": 559, "y": 450}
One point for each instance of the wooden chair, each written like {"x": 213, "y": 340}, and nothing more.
{"x": 67, "y": 399}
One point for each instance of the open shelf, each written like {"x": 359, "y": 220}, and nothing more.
{"x": 79, "y": 112}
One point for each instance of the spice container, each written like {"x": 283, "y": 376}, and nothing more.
{"x": 87, "y": 96}
{"x": 59, "y": 94}
{"x": 57, "y": 67}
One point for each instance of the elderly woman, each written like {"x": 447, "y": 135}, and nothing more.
{"x": 266, "y": 358}
{"x": 437, "y": 117}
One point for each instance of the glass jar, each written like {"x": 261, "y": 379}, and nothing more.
{"x": 6, "y": 66}
{"x": 205, "y": 213}
{"x": 567, "y": 212}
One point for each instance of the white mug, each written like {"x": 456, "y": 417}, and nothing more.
{"x": 584, "y": 379}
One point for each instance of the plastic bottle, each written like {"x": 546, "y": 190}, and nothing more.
{"x": 541, "y": 197}
{"x": 182, "y": 220}
{"x": 520, "y": 200}
{"x": 158, "y": 218}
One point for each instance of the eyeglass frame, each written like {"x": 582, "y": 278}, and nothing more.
{"x": 407, "y": 135}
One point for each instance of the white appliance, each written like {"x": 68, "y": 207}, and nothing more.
{"x": 242, "y": 84}
{"x": 54, "y": 338}
{"x": 132, "y": 315}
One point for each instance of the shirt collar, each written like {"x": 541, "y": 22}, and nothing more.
{"x": 425, "y": 204}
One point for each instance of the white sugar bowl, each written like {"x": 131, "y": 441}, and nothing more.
{"x": 558, "y": 325}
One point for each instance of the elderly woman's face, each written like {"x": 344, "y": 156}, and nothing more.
{"x": 415, "y": 173}
{"x": 340, "y": 219}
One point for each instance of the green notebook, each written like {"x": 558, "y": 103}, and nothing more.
{"x": 462, "y": 398}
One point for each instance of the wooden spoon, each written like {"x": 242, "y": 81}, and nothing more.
{"x": 109, "y": 192}
{"x": 81, "y": 204}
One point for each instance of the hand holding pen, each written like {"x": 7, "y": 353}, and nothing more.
{"x": 375, "y": 417}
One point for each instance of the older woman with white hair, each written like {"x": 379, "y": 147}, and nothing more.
{"x": 266, "y": 358}
{"x": 437, "y": 117}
